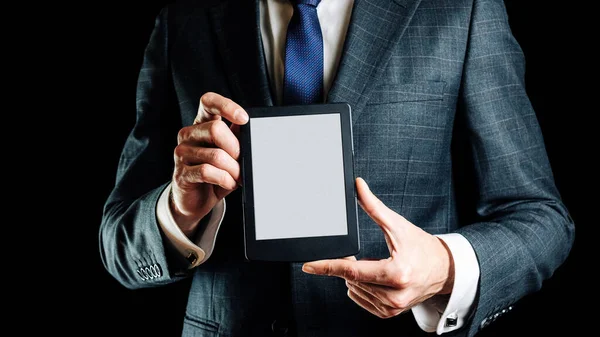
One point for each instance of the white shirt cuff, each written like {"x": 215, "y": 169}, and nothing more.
{"x": 205, "y": 242}
{"x": 443, "y": 313}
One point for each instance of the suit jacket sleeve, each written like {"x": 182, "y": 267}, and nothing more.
{"x": 132, "y": 247}
{"x": 522, "y": 231}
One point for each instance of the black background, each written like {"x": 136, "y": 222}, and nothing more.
{"x": 99, "y": 50}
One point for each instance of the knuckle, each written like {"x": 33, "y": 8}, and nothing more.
{"x": 199, "y": 154}
{"x": 216, "y": 130}
{"x": 405, "y": 277}
{"x": 182, "y": 135}
{"x": 399, "y": 301}
{"x": 179, "y": 177}
{"x": 208, "y": 98}
{"x": 225, "y": 182}
{"x": 222, "y": 179}
{"x": 383, "y": 274}
{"x": 179, "y": 153}
{"x": 217, "y": 157}
{"x": 203, "y": 172}
{"x": 328, "y": 269}
{"x": 349, "y": 272}
{"x": 402, "y": 277}
{"x": 396, "y": 301}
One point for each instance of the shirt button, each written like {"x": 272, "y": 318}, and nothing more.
{"x": 279, "y": 329}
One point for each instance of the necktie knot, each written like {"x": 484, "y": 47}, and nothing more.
{"x": 313, "y": 3}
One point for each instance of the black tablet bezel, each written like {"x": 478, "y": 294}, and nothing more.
{"x": 307, "y": 248}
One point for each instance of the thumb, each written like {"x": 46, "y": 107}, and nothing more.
{"x": 375, "y": 208}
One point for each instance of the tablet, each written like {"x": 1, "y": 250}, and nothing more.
{"x": 298, "y": 185}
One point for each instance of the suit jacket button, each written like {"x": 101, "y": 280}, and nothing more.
{"x": 141, "y": 274}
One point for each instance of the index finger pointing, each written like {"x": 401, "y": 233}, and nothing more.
{"x": 213, "y": 105}
{"x": 358, "y": 271}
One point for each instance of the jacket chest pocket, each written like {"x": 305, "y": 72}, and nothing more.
{"x": 412, "y": 105}
{"x": 423, "y": 91}
{"x": 402, "y": 123}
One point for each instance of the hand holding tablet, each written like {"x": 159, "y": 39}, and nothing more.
{"x": 298, "y": 183}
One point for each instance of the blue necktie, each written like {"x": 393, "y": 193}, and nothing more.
{"x": 303, "y": 73}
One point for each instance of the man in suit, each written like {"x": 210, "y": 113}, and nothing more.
{"x": 423, "y": 77}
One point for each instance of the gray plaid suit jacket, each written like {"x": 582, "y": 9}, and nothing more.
{"x": 444, "y": 134}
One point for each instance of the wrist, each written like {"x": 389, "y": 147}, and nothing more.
{"x": 447, "y": 269}
{"x": 186, "y": 223}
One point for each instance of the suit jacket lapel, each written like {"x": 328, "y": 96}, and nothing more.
{"x": 237, "y": 27}
{"x": 375, "y": 28}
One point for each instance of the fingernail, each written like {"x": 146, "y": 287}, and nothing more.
{"x": 308, "y": 269}
{"x": 241, "y": 115}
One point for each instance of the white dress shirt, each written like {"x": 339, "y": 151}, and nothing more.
{"x": 334, "y": 17}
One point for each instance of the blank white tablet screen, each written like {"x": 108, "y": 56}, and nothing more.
{"x": 298, "y": 176}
